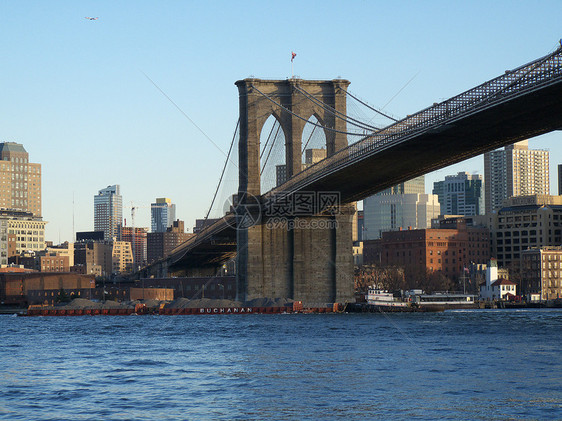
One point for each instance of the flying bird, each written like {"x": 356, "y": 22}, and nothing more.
{"x": 90, "y": 18}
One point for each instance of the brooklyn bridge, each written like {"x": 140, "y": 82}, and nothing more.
{"x": 288, "y": 222}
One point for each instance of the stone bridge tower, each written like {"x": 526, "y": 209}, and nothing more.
{"x": 314, "y": 265}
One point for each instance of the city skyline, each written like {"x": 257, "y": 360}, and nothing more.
{"x": 78, "y": 97}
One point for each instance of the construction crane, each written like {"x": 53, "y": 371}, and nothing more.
{"x": 134, "y": 208}
{"x": 133, "y": 233}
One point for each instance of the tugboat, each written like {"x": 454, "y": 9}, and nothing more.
{"x": 384, "y": 299}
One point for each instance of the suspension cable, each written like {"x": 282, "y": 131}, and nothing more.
{"x": 308, "y": 141}
{"x": 337, "y": 113}
{"x": 267, "y": 141}
{"x": 368, "y": 106}
{"x": 271, "y": 148}
{"x": 222, "y": 173}
{"x": 304, "y": 119}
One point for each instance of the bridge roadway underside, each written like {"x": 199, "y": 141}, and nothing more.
{"x": 486, "y": 130}
{"x": 205, "y": 258}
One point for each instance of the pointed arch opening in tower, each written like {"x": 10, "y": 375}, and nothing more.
{"x": 273, "y": 168}
{"x": 313, "y": 142}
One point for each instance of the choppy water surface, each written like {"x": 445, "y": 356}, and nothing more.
{"x": 455, "y": 365}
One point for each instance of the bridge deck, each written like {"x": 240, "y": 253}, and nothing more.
{"x": 520, "y": 104}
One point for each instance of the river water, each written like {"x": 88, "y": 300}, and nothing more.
{"x": 474, "y": 364}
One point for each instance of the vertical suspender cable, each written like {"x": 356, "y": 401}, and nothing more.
{"x": 222, "y": 173}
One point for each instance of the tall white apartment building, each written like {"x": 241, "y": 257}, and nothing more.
{"x": 108, "y": 211}
{"x": 515, "y": 170}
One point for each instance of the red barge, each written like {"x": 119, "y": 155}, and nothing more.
{"x": 141, "y": 309}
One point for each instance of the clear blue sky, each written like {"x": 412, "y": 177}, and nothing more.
{"x": 74, "y": 93}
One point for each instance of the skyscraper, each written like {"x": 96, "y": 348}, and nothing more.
{"x": 163, "y": 213}
{"x": 460, "y": 194}
{"x": 515, "y": 170}
{"x": 20, "y": 180}
{"x": 108, "y": 211}
{"x": 402, "y": 206}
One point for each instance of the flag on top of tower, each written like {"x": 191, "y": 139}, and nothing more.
{"x": 293, "y": 55}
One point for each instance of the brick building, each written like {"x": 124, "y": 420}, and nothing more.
{"x": 541, "y": 272}
{"x": 54, "y": 263}
{"x": 94, "y": 257}
{"x": 448, "y": 249}
{"x": 160, "y": 244}
{"x": 38, "y": 288}
{"x": 138, "y": 239}
{"x": 201, "y": 224}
